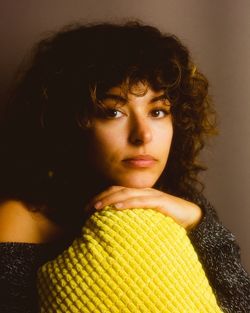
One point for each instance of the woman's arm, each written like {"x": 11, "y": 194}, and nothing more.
{"x": 22, "y": 234}
{"x": 20, "y": 224}
{"x": 220, "y": 256}
{"x": 214, "y": 244}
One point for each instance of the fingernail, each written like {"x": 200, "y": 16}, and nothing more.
{"x": 98, "y": 205}
{"x": 118, "y": 205}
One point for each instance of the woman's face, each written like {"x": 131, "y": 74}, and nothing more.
{"x": 130, "y": 140}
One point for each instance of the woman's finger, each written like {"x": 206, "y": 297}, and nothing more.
{"x": 185, "y": 213}
{"x": 121, "y": 195}
{"x": 103, "y": 194}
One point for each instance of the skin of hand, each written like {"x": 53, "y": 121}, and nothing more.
{"x": 185, "y": 213}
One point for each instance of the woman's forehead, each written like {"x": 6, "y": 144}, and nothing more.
{"x": 137, "y": 89}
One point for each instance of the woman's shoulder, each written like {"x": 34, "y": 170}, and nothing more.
{"x": 20, "y": 224}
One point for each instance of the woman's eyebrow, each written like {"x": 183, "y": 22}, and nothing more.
{"x": 115, "y": 97}
{"x": 160, "y": 97}
{"x": 124, "y": 100}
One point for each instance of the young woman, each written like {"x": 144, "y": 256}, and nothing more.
{"x": 107, "y": 115}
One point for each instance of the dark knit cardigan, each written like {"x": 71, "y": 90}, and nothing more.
{"x": 214, "y": 244}
{"x": 220, "y": 256}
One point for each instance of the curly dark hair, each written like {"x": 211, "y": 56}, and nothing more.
{"x": 44, "y": 128}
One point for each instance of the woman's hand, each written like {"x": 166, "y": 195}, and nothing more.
{"x": 185, "y": 213}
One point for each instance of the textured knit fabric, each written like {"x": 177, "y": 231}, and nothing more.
{"x": 18, "y": 267}
{"x": 220, "y": 255}
{"x": 127, "y": 261}
{"x": 210, "y": 239}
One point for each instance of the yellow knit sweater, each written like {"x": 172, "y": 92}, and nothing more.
{"x": 127, "y": 261}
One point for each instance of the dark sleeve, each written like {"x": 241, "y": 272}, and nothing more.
{"x": 220, "y": 256}
{"x": 18, "y": 266}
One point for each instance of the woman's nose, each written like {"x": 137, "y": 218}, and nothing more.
{"x": 140, "y": 132}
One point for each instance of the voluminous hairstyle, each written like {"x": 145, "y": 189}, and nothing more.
{"x": 46, "y": 122}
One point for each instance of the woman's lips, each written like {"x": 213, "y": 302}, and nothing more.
{"x": 140, "y": 161}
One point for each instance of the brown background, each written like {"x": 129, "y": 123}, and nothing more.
{"x": 218, "y": 34}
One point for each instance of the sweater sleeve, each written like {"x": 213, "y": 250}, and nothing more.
{"x": 220, "y": 255}
{"x": 18, "y": 267}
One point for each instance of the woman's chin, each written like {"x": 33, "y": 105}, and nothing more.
{"x": 137, "y": 182}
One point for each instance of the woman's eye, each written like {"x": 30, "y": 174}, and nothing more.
{"x": 112, "y": 113}
{"x": 159, "y": 113}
